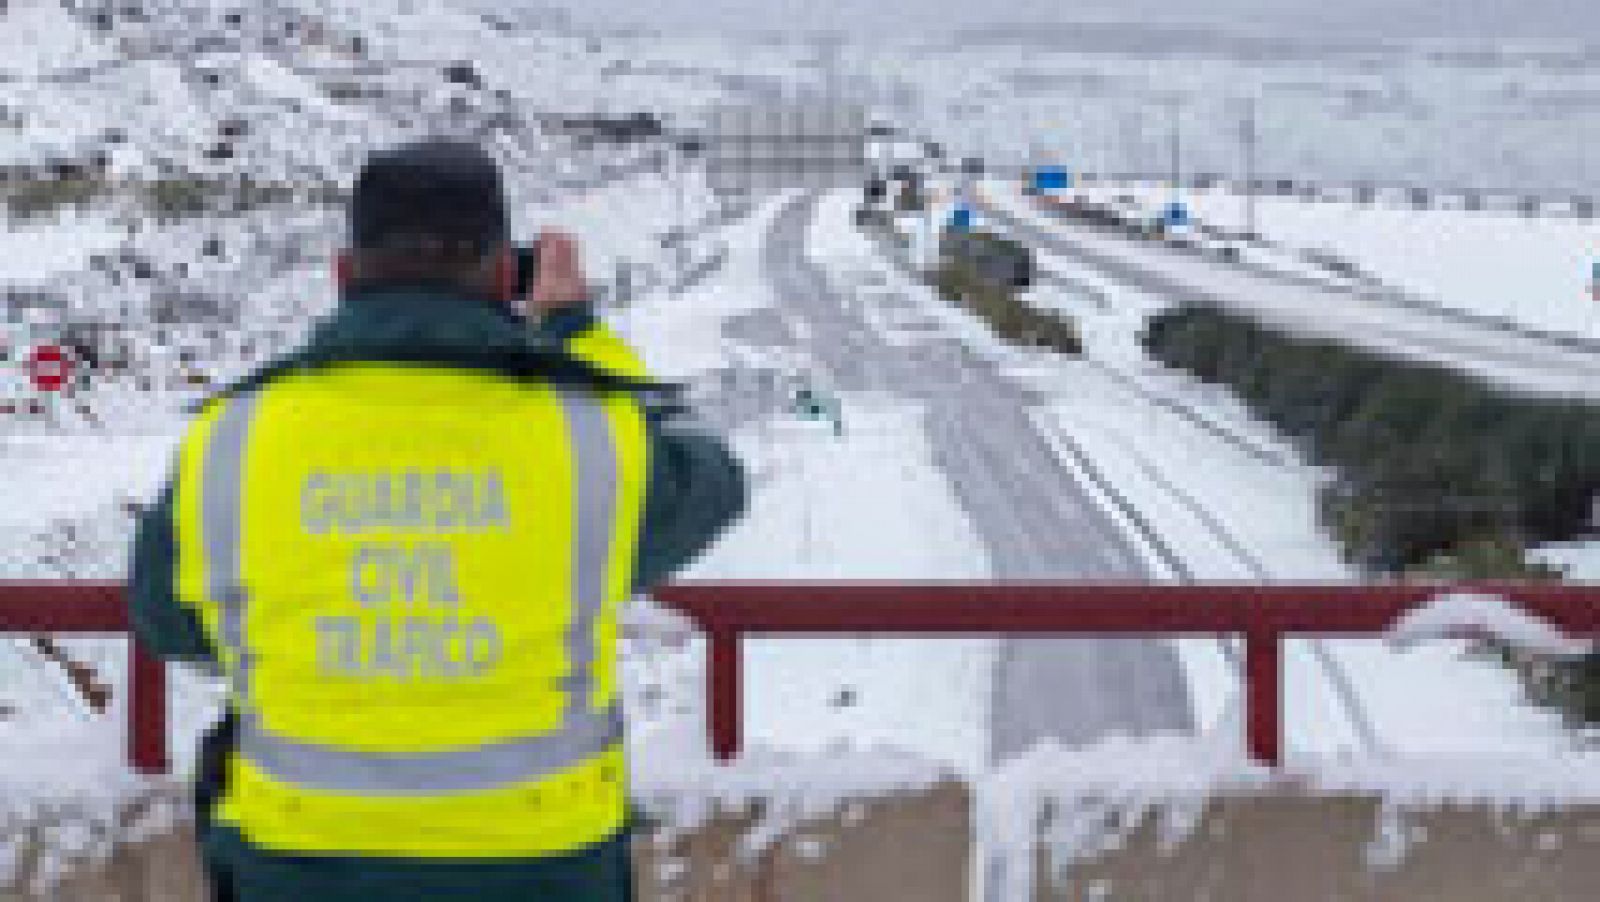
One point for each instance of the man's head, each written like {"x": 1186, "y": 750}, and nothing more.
{"x": 430, "y": 212}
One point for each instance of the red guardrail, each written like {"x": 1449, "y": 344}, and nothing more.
{"x": 1264, "y": 614}
{"x": 83, "y": 607}
{"x": 727, "y": 612}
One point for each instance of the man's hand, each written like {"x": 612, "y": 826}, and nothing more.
{"x": 559, "y": 280}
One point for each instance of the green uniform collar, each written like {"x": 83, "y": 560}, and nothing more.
{"x": 428, "y": 324}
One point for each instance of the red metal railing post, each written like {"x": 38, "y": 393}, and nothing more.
{"x": 1263, "y": 664}
{"x": 724, "y": 691}
{"x": 147, "y": 709}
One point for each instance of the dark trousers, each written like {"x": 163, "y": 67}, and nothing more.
{"x": 211, "y": 773}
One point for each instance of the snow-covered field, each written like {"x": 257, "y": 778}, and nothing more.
{"x": 1534, "y": 271}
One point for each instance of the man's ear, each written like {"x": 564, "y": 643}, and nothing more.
{"x": 344, "y": 269}
{"x": 505, "y": 276}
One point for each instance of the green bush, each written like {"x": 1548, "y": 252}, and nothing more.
{"x": 1486, "y": 560}
{"x": 1574, "y": 687}
{"x": 47, "y": 195}
{"x": 1007, "y": 315}
{"x": 166, "y": 198}
{"x": 1430, "y": 461}
{"x": 910, "y": 199}
{"x": 171, "y": 198}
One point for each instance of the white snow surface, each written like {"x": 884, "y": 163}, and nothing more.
{"x": 36, "y": 251}
{"x": 39, "y": 35}
{"x": 1534, "y": 271}
{"x": 1096, "y": 796}
{"x": 1451, "y": 614}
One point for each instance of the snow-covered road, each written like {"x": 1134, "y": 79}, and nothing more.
{"x": 1515, "y": 359}
{"x": 1036, "y": 519}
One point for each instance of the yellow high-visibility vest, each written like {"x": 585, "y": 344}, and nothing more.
{"x": 413, "y": 577}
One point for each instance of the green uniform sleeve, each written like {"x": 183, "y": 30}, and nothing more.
{"x": 697, "y": 489}
{"x": 166, "y": 626}
{"x": 563, "y": 323}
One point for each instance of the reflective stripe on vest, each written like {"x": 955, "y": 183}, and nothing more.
{"x": 484, "y": 767}
{"x": 585, "y": 733}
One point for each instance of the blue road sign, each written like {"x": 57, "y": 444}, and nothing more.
{"x": 1052, "y": 178}
{"x": 961, "y": 219}
{"x": 1176, "y": 215}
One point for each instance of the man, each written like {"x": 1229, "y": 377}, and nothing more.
{"x": 405, "y": 544}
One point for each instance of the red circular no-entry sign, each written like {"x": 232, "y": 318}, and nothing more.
{"x": 49, "y": 367}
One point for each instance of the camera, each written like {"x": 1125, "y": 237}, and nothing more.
{"x": 527, "y": 268}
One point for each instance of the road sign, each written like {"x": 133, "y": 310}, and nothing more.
{"x": 961, "y": 219}
{"x": 1052, "y": 178}
{"x": 1176, "y": 215}
{"x": 49, "y": 368}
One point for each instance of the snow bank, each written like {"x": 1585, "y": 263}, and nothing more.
{"x": 1519, "y": 784}
{"x": 66, "y": 794}
{"x": 35, "y": 252}
{"x": 782, "y": 789}
{"x": 39, "y": 35}
{"x": 1453, "y": 614}
{"x": 1082, "y": 802}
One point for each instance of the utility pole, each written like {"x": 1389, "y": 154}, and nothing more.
{"x": 1132, "y": 139}
{"x": 682, "y": 216}
{"x": 1176, "y": 108}
{"x": 1252, "y": 139}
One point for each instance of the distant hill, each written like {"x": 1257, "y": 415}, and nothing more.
{"x": 1156, "y": 39}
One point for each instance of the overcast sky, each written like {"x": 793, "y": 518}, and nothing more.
{"x": 1579, "y": 19}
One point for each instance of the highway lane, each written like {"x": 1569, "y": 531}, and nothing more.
{"x": 1035, "y": 519}
{"x": 1516, "y": 360}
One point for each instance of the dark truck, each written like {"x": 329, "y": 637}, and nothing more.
{"x": 993, "y": 259}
